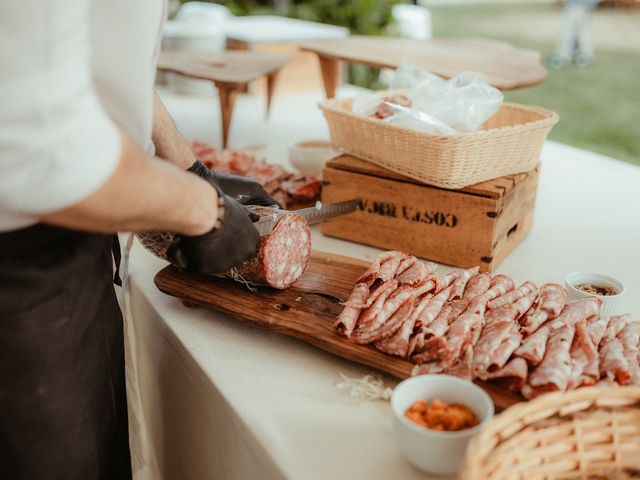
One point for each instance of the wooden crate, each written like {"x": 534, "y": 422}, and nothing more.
{"x": 477, "y": 225}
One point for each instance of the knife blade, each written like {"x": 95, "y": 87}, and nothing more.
{"x": 312, "y": 215}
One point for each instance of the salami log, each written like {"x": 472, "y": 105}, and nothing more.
{"x": 282, "y": 256}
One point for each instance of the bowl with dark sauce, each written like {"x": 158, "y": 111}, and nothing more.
{"x": 591, "y": 284}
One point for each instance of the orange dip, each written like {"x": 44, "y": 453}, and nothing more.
{"x": 438, "y": 415}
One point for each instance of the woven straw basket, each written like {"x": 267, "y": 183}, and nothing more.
{"x": 587, "y": 433}
{"x": 508, "y": 143}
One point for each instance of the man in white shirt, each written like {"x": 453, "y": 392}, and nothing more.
{"x": 77, "y": 116}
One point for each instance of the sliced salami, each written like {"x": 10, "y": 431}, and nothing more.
{"x": 415, "y": 274}
{"x": 477, "y": 285}
{"x": 534, "y": 347}
{"x": 349, "y": 316}
{"x": 514, "y": 295}
{"x": 613, "y": 363}
{"x": 461, "y": 282}
{"x": 584, "y": 358}
{"x": 398, "y": 344}
{"x": 596, "y": 327}
{"x": 373, "y": 327}
{"x": 550, "y": 302}
{"x": 629, "y": 338}
{"x": 373, "y": 272}
{"x": 513, "y": 376}
{"x": 500, "y": 284}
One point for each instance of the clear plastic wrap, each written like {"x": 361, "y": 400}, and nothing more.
{"x": 461, "y": 104}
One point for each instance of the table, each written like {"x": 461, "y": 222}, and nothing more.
{"x": 506, "y": 67}
{"x": 243, "y": 32}
{"x": 223, "y": 400}
{"x": 230, "y": 72}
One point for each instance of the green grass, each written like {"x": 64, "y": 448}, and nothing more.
{"x": 599, "y": 107}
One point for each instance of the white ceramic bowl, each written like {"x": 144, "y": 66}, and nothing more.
{"x": 610, "y": 303}
{"x": 310, "y": 157}
{"x": 432, "y": 450}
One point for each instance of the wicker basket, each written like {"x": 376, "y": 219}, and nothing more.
{"x": 508, "y": 143}
{"x": 587, "y": 433}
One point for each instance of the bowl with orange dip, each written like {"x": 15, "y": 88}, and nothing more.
{"x": 434, "y": 418}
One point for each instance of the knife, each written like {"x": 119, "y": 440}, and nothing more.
{"x": 312, "y": 215}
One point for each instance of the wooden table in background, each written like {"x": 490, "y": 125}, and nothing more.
{"x": 504, "y": 66}
{"x": 230, "y": 72}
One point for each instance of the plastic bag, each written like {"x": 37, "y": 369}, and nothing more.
{"x": 461, "y": 104}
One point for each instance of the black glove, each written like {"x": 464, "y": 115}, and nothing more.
{"x": 229, "y": 244}
{"x": 242, "y": 189}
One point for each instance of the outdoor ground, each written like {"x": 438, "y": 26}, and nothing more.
{"x": 599, "y": 107}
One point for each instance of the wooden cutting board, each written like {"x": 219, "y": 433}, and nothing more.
{"x": 306, "y": 311}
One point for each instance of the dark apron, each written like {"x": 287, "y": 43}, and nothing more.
{"x": 63, "y": 412}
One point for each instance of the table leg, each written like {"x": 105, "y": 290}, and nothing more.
{"x": 330, "y": 68}
{"x": 227, "y": 95}
{"x": 271, "y": 86}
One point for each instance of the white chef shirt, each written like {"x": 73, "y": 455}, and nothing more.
{"x": 70, "y": 72}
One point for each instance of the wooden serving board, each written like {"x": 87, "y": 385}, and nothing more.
{"x": 306, "y": 311}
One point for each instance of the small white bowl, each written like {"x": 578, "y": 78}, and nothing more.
{"x": 610, "y": 303}
{"x": 310, "y": 157}
{"x": 433, "y": 450}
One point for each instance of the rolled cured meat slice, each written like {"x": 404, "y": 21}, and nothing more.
{"x": 349, "y": 316}
{"x": 426, "y": 317}
{"x": 464, "y": 328}
{"x": 613, "y": 363}
{"x": 500, "y": 284}
{"x": 513, "y": 376}
{"x": 370, "y": 314}
{"x": 461, "y": 282}
{"x": 416, "y": 273}
{"x": 554, "y": 372}
{"x": 615, "y": 326}
{"x": 463, "y": 366}
{"x": 550, "y": 302}
{"x": 477, "y": 285}
{"x": 374, "y": 327}
{"x": 523, "y": 290}
{"x": 504, "y": 351}
{"x": 434, "y": 344}
{"x": 398, "y": 344}
{"x": 375, "y": 271}
{"x": 584, "y": 358}
{"x": 534, "y": 347}
{"x": 498, "y": 326}
{"x": 282, "y": 256}
{"x": 630, "y": 338}
{"x": 596, "y": 327}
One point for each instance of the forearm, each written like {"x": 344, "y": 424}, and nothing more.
{"x": 169, "y": 143}
{"x": 144, "y": 194}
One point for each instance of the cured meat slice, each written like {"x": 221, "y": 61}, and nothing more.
{"x": 492, "y": 336}
{"x": 513, "y": 376}
{"x": 477, "y": 285}
{"x": 433, "y": 345}
{"x": 461, "y": 282}
{"x": 398, "y": 344}
{"x": 616, "y": 324}
{"x": 555, "y": 370}
{"x": 444, "y": 282}
{"x": 349, "y": 316}
{"x": 504, "y": 351}
{"x": 463, "y": 366}
{"x": 389, "y": 267}
{"x": 426, "y": 315}
{"x": 282, "y": 257}
{"x": 551, "y": 300}
{"x": 372, "y": 326}
{"x": 385, "y": 288}
{"x": 415, "y": 274}
{"x": 524, "y": 304}
{"x": 395, "y": 322}
{"x": 523, "y": 290}
{"x": 613, "y": 363}
{"x": 302, "y": 187}
{"x": 500, "y": 284}
{"x": 629, "y": 338}
{"x": 596, "y": 327}
{"x": 373, "y": 272}
{"x": 534, "y": 347}
{"x": 462, "y": 330}
{"x": 370, "y": 314}
{"x": 584, "y": 358}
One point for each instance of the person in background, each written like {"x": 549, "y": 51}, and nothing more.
{"x": 86, "y": 150}
{"x": 575, "y": 39}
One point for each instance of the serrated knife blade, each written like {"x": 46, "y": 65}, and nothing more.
{"x": 312, "y": 215}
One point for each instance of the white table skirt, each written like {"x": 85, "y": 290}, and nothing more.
{"x": 214, "y": 398}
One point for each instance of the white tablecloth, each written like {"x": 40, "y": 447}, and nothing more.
{"x": 217, "y": 399}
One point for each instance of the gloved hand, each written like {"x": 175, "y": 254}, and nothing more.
{"x": 233, "y": 241}
{"x": 242, "y": 189}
